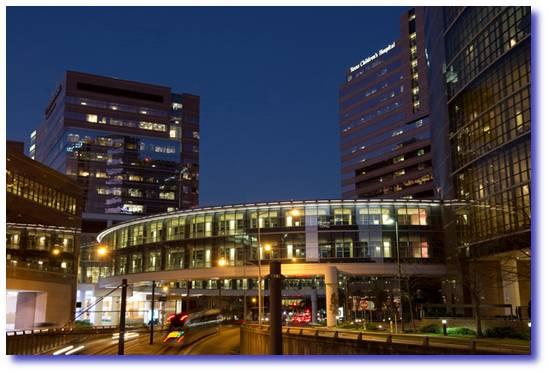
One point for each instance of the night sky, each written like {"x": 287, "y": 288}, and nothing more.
{"x": 268, "y": 80}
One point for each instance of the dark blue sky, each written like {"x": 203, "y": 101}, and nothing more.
{"x": 268, "y": 80}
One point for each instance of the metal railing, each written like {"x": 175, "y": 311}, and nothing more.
{"x": 425, "y": 343}
{"x": 37, "y": 341}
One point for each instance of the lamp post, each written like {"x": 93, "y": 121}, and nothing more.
{"x": 391, "y": 221}
{"x": 152, "y": 314}
{"x": 445, "y": 327}
{"x": 102, "y": 251}
{"x": 259, "y": 290}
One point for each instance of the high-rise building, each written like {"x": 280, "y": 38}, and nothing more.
{"x": 43, "y": 209}
{"x": 384, "y": 119}
{"x": 479, "y": 72}
{"x": 133, "y": 146}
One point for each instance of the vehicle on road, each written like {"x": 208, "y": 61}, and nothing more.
{"x": 185, "y": 328}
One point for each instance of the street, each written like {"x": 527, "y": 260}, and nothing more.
{"x": 227, "y": 341}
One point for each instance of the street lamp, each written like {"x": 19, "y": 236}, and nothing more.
{"x": 102, "y": 250}
{"x": 395, "y": 222}
{"x": 268, "y": 249}
{"x": 56, "y": 251}
{"x": 445, "y": 327}
{"x": 222, "y": 262}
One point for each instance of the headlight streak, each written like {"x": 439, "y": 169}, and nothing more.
{"x": 64, "y": 349}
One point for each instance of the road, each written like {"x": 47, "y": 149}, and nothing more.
{"x": 226, "y": 341}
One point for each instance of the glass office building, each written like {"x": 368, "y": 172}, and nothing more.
{"x": 479, "y": 70}
{"x": 384, "y": 119}
{"x": 43, "y": 209}
{"x": 133, "y": 146}
{"x": 222, "y": 247}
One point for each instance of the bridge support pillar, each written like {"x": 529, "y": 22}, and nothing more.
{"x": 314, "y": 306}
{"x": 332, "y": 301}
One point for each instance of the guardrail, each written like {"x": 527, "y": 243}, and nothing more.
{"x": 357, "y": 342}
{"x": 37, "y": 341}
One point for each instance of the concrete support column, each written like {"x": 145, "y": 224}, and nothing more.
{"x": 115, "y": 315}
{"x": 314, "y": 306}
{"x": 332, "y": 301}
{"x": 511, "y": 290}
{"x": 97, "y": 313}
{"x": 25, "y": 310}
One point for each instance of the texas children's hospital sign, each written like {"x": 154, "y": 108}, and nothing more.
{"x": 367, "y": 60}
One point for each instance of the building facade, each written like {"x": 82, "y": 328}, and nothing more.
{"x": 133, "y": 146}
{"x": 43, "y": 209}
{"x": 225, "y": 248}
{"x": 384, "y": 119}
{"x": 479, "y": 70}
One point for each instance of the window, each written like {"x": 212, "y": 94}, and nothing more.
{"x": 344, "y": 248}
{"x": 400, "y": 158}
{"x": 342, "y": 216}
{"x": 136, "y": 264}
{"x": 153, "y": 262}
{"x": 137, "y": 234}
{"x": 387, "y": 249}
{"x": 175, "y": 258}
{"x": 121, "y": 265}
{"x": 92, "y": 118}
{"x": 197, "y": 259}
{"x": 176, "y": 229}
{"x": 135, "y": 178}
{"x": 420, "y": 249}
{"x": 132, "y": 209}
{"x": 133, "y": 192}
{"x": 154, "y": 231}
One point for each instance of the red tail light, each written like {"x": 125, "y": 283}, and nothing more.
{"x": 171, "y": 317}
{"x": 183, "y": 317}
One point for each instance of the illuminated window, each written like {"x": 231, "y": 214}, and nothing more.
{"x": 519, "y": 120}
{"x": 133, "y": 192}
{"x": 133, "y": 209}
{"x": 92, "y": 118}
{"x": 387, "y": 249}
{"x": 167, "y": 195}
{"x": 400, "y": 158}
{"x": 174, "y": 132}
